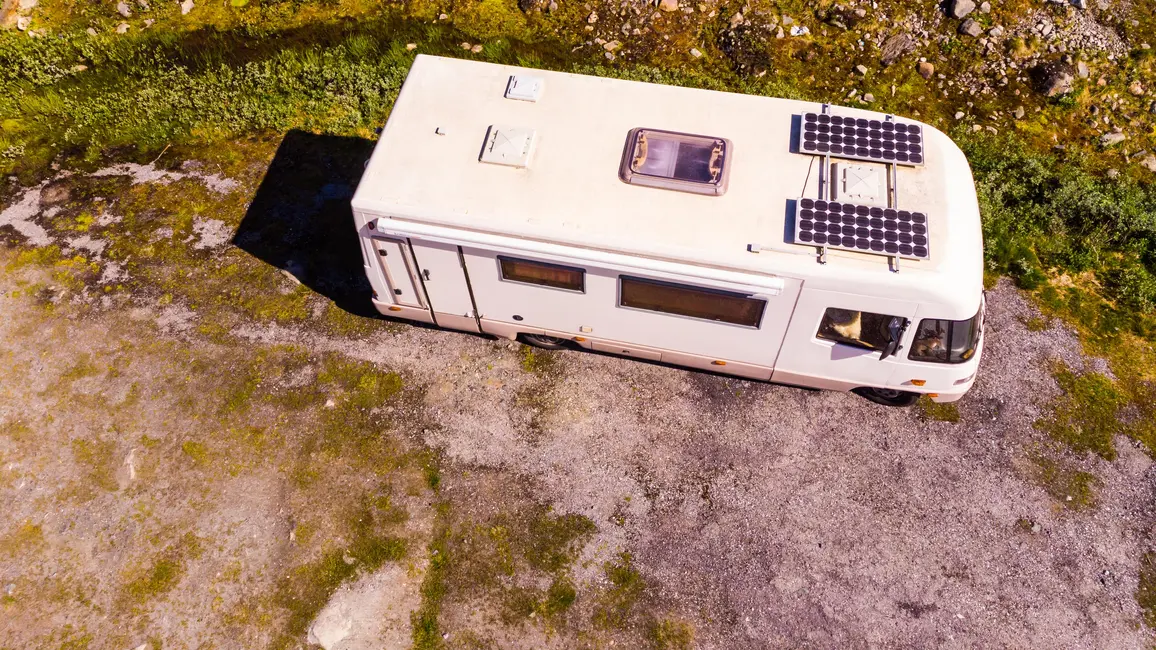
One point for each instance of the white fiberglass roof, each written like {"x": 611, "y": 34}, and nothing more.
{"x": 427, "y": 168}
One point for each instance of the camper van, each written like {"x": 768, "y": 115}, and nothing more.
{"x": 798, "y": 243}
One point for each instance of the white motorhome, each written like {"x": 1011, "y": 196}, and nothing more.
{"x": 793, "y": 242}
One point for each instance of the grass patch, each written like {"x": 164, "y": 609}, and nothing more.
{"x": 671, "y": 634}
{"x": 1086, "y": 416}
{"x": 537, "y": 361}
{"x": 98, "y": 459}
{"x": 424, "y": 624}
{"x": 147, "y": 583}
{"x": 1146, "y": 589}
{"x": 1073, "y": 488}
{"x": 304, "y": 593}
{"x": 617, "y": 602}
{"x": 931, "y": 410}
{"x": 26, "y": 538}
{"x": 197, "y": 451}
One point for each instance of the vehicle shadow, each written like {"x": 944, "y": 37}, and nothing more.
{"x": 300, "y": 219}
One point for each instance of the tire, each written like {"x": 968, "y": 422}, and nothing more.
{"x": 887, "y": 396}
{"x": 544, "y": 342}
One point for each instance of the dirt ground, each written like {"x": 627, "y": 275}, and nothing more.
{"x": 183, "y": 469}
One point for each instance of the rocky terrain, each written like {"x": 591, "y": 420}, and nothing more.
{"x": 208, "y": 439}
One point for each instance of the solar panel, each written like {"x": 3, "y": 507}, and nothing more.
{"x": 862, "y": 228}
{"x": 859, "y": 138}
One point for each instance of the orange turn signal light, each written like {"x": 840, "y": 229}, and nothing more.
{"x": 918, "y": 382}
{"x": 933, "y": 394}
{"x": 579, "y": 339}
{"x": 395, "y": 308}
{"x": 719, "y": 363}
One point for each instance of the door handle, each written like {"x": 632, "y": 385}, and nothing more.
{"x": 425, "y": 273}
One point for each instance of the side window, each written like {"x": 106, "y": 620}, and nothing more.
{"x": 695, "y": 302}
{"x": 543, "y": 274}
{"x": 946, "y": 341}
{"x": 859, "y": 328}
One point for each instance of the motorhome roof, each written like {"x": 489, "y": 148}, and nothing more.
{"x": 427, "y": 168}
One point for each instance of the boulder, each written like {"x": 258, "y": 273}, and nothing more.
{"x": 1052, "y": 79}
{"x": 971, "y": 28}
{"x": 896, "y": 46}
{"x": 961, "y": 8}
{"x": 925, "y": 69}
{"x": 1110, "y": 139}
{"x": 668, "y": 5}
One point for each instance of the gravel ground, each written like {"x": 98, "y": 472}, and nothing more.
{"x": 786, "y": 518}
{"x": 764, "y": 516}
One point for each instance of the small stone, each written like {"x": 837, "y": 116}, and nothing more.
{"x": 971, "y": 28}
{"x": 668, "y": 5}
{"x": 23, "y": 22}
{"x": 348, "y": 559}
{"x": 592, "y": 18}
{"x": 798, "y": 30}
{"x": 995, "y": 32}
{"x": 1036, "y": 527}
{"x": 779, "y": 33}
{"x": 1112, "y": 173}
{"x": 144, "y": 5}
{"x": 90, "y": 31}
{"x": 1082, "y": 69}
{"x": 695, "y": 53}
{"x": 1019, "y": 112}
{"x": 868, "y": 97}
{"x": 861, "y": 69}
{"x": 1080, "y": 4}
{"x": 1149, "y": 163}
{"x": 123, "y": 9}
{"x": 79, "y": 67}
{"x": 961, "y": 8}
{"x": 1110, "y": 139}
{"x": 985, "y": 8}
{"x": 122, "y": 28}
{"x": 959, "y": 115}
{"x": 27, "y": 5}
{"x": 611, "y": 46}
{"x": 186, "y": 7}
{"x": 329, "y": 403}
{"x": 466, "y": 46}
{"x": 552, "y": 7}
{"x": 736, "y": 20}
{"x": 609, "y": 56}
{"x": 788, "y": 21}
{"x": 9, "y": 588}
{"x": 477, "y": 49}
{"x": 925, "y": 69}
{"x": 1136, "y": 88}
{"x": 409, "y": 47}
{"x": 443, "y": 17}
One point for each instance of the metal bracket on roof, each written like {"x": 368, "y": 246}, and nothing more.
{"x": 892, "y": 198}
{"x": 826, "y": 187}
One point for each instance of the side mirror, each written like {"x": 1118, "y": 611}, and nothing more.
{"x": 895, "y": 330}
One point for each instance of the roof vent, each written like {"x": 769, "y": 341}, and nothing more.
{"x": 524, "y": 87}
{"x": 508, "y": 145}
{"x": 859, "y": 182}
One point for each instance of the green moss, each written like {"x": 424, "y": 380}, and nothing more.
{"x": 304, "y": 593}
{"x": 97, "y": 457}
{"x": 1073, "y": 488}
{"x": 26, "y": 538}
{"x": 424, "y": 621}
{"x": 553, "y": 542}
{"x": 148, "y": 582}
{"x": 538, "y": 361}
{"x": 626, "y": 587}
{"x": 1086, "y": 416}
{"x": 1146, "y": 589}
{"x": 197, "y": 451}
{"x": 931, "y": 410}
{"x": 671, "y": 634}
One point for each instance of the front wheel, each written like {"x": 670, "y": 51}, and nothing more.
{"x": 544, "y": 342}
{"x": 887, "y": 396}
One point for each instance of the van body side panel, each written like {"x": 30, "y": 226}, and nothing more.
{"x": 441, "y": 273}
{"x": 397, "y": 267}
{"x": 811, "y": 361}
{"x": 594, "y": 312}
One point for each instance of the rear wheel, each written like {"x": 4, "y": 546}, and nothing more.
{"x": 887, "y": 396}
{"x": 544, "y": 342}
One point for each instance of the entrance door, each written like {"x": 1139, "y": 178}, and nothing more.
{"x": 398, "y": 272}
{"x": 444, "y": 278}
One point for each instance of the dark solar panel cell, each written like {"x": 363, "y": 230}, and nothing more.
{"x": 850, "y": 226}
{"x": 862, "y": 139}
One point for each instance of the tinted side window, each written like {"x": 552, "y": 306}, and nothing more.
{"x": 859, "y": 328}
{"x": 695, "y": 302}
{"x": 555, "y": 276}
